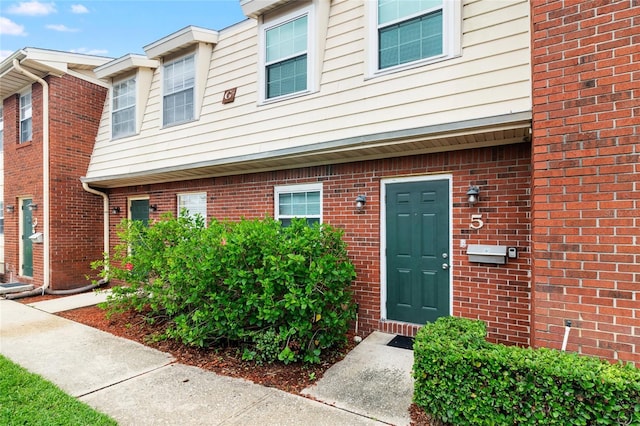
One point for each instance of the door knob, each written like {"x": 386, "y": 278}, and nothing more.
{"x": 445, "y": 266}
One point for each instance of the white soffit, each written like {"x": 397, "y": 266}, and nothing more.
{"x": 180, "y": 40}
{"x": 124, "y": 64}
{"x": 255, "y": 8}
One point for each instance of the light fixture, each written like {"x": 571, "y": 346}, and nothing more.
{"x": 10, "y": 209}
{"x": 361, "y": 200}
{"x": 115, "y": 210}
{"x": 32, "y": 207}
{"x": 473, "y": 193}
{"x": 153, "y": 208}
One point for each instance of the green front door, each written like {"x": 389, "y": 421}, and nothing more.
{"x": 418, "y": 253}
{"x": 27, "y": 244}
{"x": 140, "y": 210}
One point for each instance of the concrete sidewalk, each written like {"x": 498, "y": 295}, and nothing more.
{"x": 137, "y": 385}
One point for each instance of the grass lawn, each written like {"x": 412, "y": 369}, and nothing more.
{"x": 28, "y": 399}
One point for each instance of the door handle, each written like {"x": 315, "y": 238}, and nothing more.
{"x": 445, "y": 266}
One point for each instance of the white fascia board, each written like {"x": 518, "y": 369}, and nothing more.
{"x": 255, "y": 8}
{"x": 180, "y": 40}
{"x": 123, "y": 64}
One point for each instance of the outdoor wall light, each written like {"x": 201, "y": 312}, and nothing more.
{"x": 32, "y": 207}
{"x": 153, "y": 208}
{"x": 361, "y": 200}
{"x": 473, "y": 193}
{"x": 115, "y": 210}
{"x": 10, "y": 209}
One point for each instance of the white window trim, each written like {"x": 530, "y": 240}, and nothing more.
{"x": 312, "y": 54}
{"x": 135, "y": 107}
{"x": 20, "y": 119}
{"x": 288, "y": 189}
{"x": 180, "y": 194}
{"x": 1, "y": 128}
{"x": 451, "y": 39}
{"x": 164, "y": 89}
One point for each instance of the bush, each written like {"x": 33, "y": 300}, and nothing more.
{"x": 282, "y": 293}
{"x": 463, "y": 380}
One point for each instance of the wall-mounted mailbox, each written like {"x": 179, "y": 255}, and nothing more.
{"x": 38, "y": 237}
{"x": 487, "y": 254}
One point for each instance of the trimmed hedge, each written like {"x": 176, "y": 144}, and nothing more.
{"x": 279, "y": 293}
{"x": 463, "y": 380}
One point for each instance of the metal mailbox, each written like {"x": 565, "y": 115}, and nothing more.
{"x": 487, "y": 254}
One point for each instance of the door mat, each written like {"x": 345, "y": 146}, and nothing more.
{"x": 403, "y": 342}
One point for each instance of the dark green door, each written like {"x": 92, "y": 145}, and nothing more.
{"x": 417, "y": 230}
{"x": 27, "y": 244}
{"x": 140, "y": 210}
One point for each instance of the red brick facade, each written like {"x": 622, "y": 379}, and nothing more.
{"x": 499, "y": 294}
{"x": 75, "y": 108}
{"x": 586, "y": 168}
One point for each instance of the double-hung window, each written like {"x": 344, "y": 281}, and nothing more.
{"x": 298, "y": 201}
{"x": 193, "y": 204}
{"x": 287, "y": 56}
{"x": 26, "y": 131}
{"x": 415, "y": 31}
{"x": 123, "y": 119}
{"x": 178, "y": 84}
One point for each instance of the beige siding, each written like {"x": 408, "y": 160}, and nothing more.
{"x": 490, "y": 78}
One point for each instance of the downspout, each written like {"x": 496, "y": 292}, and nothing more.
{"x": 45, "y": 173}
{"x": 105, "y": 221}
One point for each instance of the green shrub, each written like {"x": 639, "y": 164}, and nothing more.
{"x": 282, "y": 293}
{"x": 463, "y": 380}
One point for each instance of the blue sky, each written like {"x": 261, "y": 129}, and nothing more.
{"x": 105, "y": 27}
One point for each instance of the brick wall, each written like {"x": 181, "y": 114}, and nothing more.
{"x": 586, "y": 176}
{"x": 498, "y": 294}
{"x": 76, "y": 216}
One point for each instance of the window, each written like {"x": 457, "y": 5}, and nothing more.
{"x": 193, "y": 203}
{"x": 178, "y": 83}
{"x": 286, "y": 56}
{"x": 123, "y": 118}
{"x": 25, "y": 117}
{"x": 415, "y": 32}
{"x": 301, "y": 201}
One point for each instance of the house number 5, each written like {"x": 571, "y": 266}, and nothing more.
{"x": 476, "y": 221}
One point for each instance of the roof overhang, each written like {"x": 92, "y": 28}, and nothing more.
{"x": 42, "y": 63}
{"x": 491, "y": 131}
{"x": 124, "y": 65}
{"x": 180, "y": 40}
{"x": 255, "y": 8}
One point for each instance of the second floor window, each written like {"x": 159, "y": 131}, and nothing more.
{"x": 26, "y": 131}
{"x": 123, "y": 119}
{"x": 178, "y": 84}
{"x": 409, "y": 31}
{"x": 286, "y": 50}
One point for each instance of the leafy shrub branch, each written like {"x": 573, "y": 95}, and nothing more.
{"x": 280, "y": 293}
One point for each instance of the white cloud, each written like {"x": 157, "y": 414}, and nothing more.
{"x": 62, "y": 28}
{"x": 84, "y": 50}
{"x": 79, "y": 8}
{"x": 32, "y": 8}
{"x": 8, "y": 27}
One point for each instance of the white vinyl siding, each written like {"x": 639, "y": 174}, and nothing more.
{"x": 25, "y": 117}
{"x": 193, "y": 203}
{"x": 298, "y": 201}
{"x": 178, "y": 85}
{"x": 286, "y": 58}
{"x": 123, "y": 120}
{"x": 490, "y": 78}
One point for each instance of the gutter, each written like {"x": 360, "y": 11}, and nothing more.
{"x": 45, "y": 173}
{"x": 105, "y": 221}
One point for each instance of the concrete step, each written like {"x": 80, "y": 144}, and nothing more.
{"x": 6, "y": 288}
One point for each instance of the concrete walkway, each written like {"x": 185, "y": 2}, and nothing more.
{"x": 137, "y": 385}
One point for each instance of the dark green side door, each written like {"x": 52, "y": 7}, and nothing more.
{"x": 140, "y": 210}
{"x": 27, "y": 244}
{"x": 417, "y": 230}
